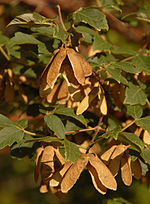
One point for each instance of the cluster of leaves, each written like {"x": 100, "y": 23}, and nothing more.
{"x": 118, "y": 81}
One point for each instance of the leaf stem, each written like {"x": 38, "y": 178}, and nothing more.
{"x": 4, "y": 53}
{"x": 97, "y": 129}
{"x": 123, "y": 129}
{"x": 60, "y": 17}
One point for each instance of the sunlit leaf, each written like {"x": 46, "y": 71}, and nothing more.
{"x": 144, "y": 123}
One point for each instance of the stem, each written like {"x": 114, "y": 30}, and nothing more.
{"x": 60, "y": 17}
{"x": 82, "y": 130}
{"x": 123, "y": 129}
{"x": 97, "y": 130}
{"x": 98, "y": 3}
{"x": 4, "y": 53}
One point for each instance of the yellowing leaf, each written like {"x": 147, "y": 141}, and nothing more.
{"x": 104, "y": 174}
{"x": 95, "y": 179}
{"x": 126, "y": 172}
{"x": 103, "y": 106}
{"x": 72, "y": 175}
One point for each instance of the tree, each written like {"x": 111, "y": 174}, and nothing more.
{"x": 89, "y": 111}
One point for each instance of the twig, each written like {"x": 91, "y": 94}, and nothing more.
{"x": 127, "y": 126}
{"x": 97, "y": 129}
{"x": 4, "y": 53}
{"x": 60, "y": 17}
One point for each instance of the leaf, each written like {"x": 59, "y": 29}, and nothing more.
{"x": 127, "y": 67}
{"x": 87, "y": 33}
{"x": 3, "y": 39}
{"x": 21, "y": 123}
{"x": 70, "y": 113}
{"x": 133, "y": 140}
{"x": 100, "y": 45}
{"x": 91, "y": 16}
{"x": 124, "y": 52}
{"x": 23, "y": 38}
{"x": 146, "y": 155}
{"x": 22, "y": 19}
{"x": 4, "y": 121}
{"x": 144, "y": 123}
{"x": 104, "y": 174}
{"x": 116, "y": 74}
{"x": 134, "y": 95}
{"x": 60, "y": 33}
{"x": 72, "y": 150}
{"x": 135, "y": 111}
{"x": 126, "y": 172}
{"x": 9, "y": 135}
{"x": 56, "y": 125}
{"x": 142, "y": 63}
{"x": 95, "y": 179}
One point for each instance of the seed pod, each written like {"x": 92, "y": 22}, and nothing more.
{"x": 126, "y": 172}
{"x": 37, "y": 163}
{"x": 104, "y": 174}
{"x": 72, "y": 175}
{"x": 57, "y": 176}
{"x": 95, "y": 179}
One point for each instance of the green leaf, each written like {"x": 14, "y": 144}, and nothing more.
{"x": 9, "y": 135}
{"x": 72, "y": 150}
{"x": 131, "y": 139}
{"x": 70, "y": 113}
{"x": 56, "y": 125}
{"x": 117, "y": 201}
{"x": 135, "y": 111}
{"x": 22, "y": 19}
{"x": 134, "y": 95}
{"x": 123, "y": 51}
{"x": 127, "y": 67}
{"x": 60, "y": 33}
{"x": 146, "y": 155}
{"x": 4, "y": 121}
{"x": 100, "y": 44}
{"x": 44, "y": 30}
{"x": 3, "y": 39}
{"x": 87, "y": 33}
{"x": 91, "y": 16}
{"x": 142, "y": 63}
{"x": 23, "y": 38}
{"x": 144, "y": 123}
{"x": 21, "y": 123}
{"x": 116, "y": 74}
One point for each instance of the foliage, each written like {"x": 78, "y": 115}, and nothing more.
{"x": 75, "y": 100}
